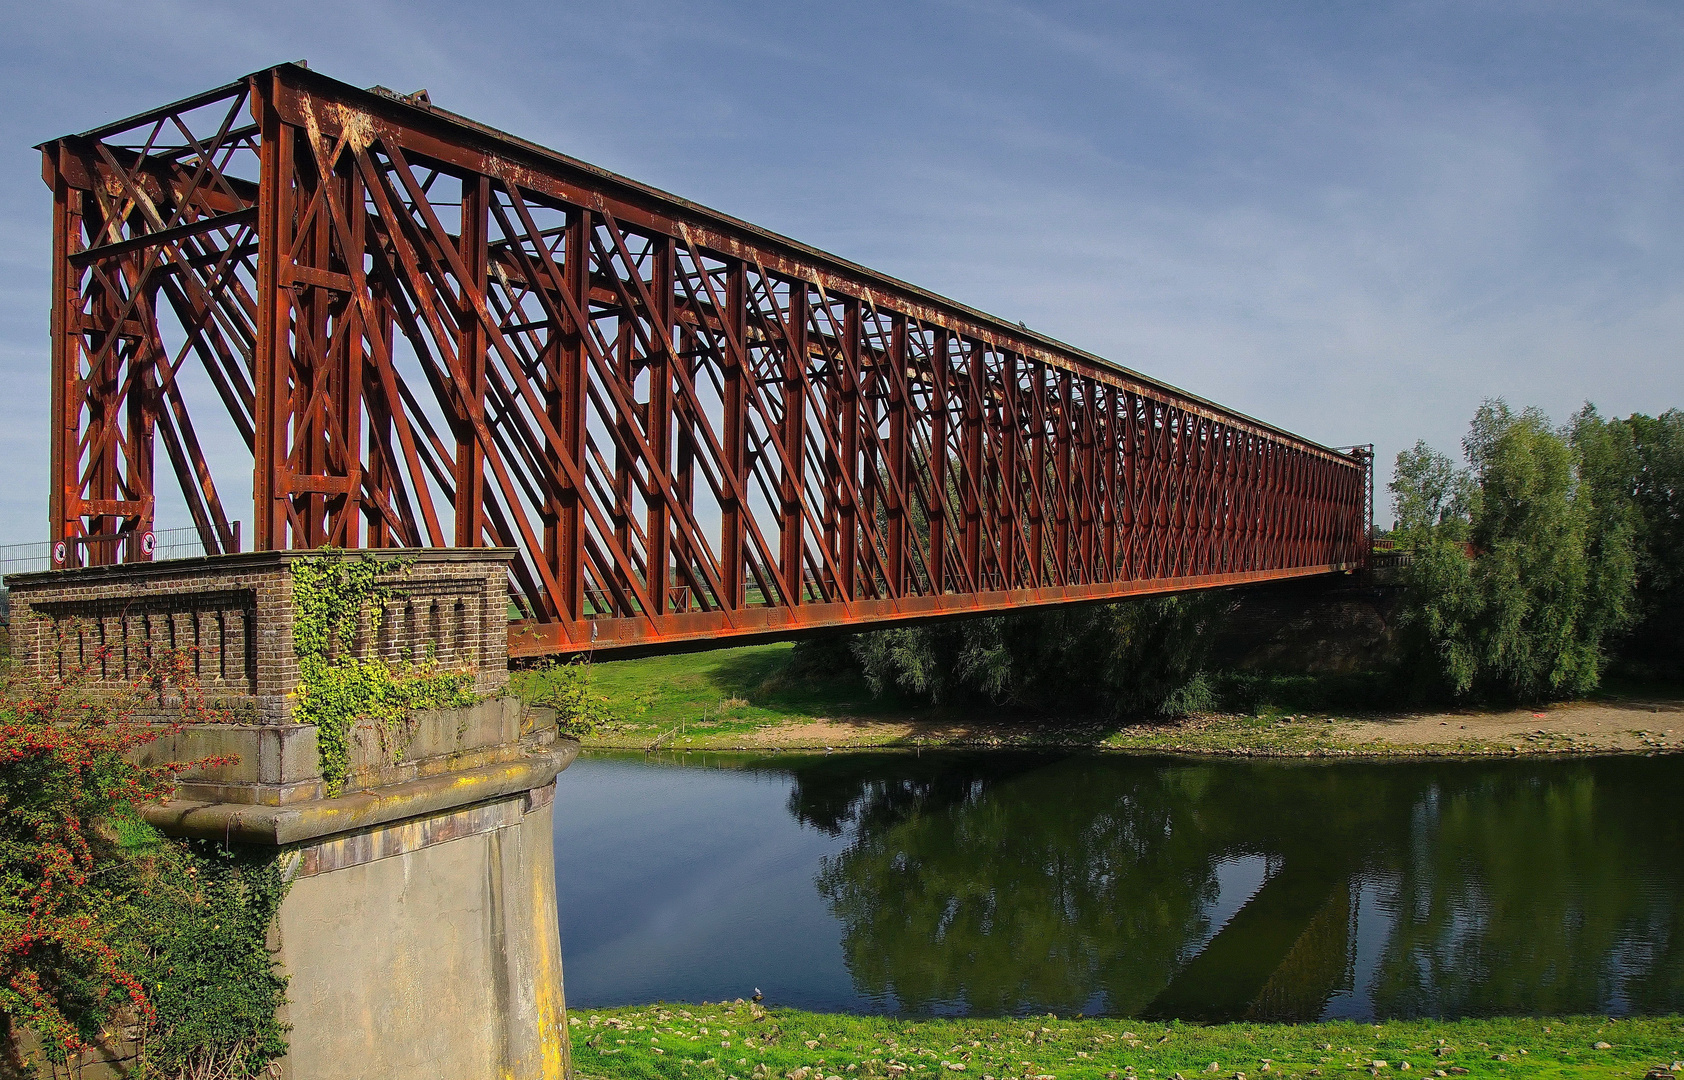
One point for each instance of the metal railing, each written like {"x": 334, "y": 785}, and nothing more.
{"x": 183, "y": 543}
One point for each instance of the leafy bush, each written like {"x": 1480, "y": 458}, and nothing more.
{"x": 65, "y": 770}
{"x": 570, "y": 689}
{"x": 200, "y": 914}
{"x": 1262, "y": 692}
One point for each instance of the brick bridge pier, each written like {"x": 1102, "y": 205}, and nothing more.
{"x": 419, "y": 933}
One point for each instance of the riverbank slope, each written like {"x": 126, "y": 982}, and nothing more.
{"x": 746, "y": 1042}
{"x": 770, "y": 697}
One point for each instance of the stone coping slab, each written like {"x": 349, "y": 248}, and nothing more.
{"x": 244, "y": 560}
{"x": 281, "y": 826}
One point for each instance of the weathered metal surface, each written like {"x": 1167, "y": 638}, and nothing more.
{"x": 429, "y": 333}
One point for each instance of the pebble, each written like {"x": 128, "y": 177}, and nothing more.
{"x": 1602, "y": 1046}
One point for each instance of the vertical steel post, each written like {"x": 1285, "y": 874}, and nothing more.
{"x": 1012, "y": 494}
{"x": 272, "y": 361}
{"x": 470, "y": 455}
{"x": 939, "y": 363}
{"x": 848, "y": 421}
{"x": 735, "y": 449}
{"x": 349, "y": 378}
{"x": 976, "y": 389}
{"x": 898, "y": 521}
{"x": 658, "y": 533}
{"x": 63, "y": 521}
{"x": 794, "y": 438}
{"x": 567, "y": 411}
{"x": 1038, "y": 470}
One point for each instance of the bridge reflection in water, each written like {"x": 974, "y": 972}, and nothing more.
{"x": 1011, "y": 883}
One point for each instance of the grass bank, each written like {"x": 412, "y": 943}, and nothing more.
{"x": 742, "y": 1041}
{"x": 765, "y": 696}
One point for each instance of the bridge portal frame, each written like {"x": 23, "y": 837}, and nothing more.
{"x": 431, "y": 333}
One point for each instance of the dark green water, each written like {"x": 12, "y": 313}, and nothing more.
{"x": 1000, "y": 883}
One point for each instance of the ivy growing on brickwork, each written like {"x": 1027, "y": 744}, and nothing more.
{"x": 337, "y": 688}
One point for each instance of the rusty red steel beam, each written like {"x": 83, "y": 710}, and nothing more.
{"x": 425, "y": 331}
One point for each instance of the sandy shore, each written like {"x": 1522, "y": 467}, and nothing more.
{"x": 1633, "y": 725}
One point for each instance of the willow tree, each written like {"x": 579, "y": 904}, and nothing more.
{"x": 1524, "y": 557}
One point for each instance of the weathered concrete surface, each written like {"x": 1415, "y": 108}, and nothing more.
{"x": 279, "y": 764}
{"x": 428, "y": 948}
{"x": 301, "y": 823}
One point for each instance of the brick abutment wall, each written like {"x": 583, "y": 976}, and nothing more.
{"x": 234, "y": 616}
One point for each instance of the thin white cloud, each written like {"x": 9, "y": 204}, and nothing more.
{"x": 1353, "y": 221}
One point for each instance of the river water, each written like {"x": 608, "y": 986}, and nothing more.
{"x": 953, "y": 883}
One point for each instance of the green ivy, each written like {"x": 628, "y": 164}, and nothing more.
{"x": 336, "y": 689}
{"x": 199, "y": 915}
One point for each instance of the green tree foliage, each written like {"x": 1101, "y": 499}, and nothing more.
{"x": 1139, "y": 656}
{"x": 1518, "y": 584}
{"x": 1428, "y": 493}
{"x": 1641, "y": 459}
{"x": 571, "y": 690}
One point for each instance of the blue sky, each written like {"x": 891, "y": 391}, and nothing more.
{"x": 1353, "y": 220}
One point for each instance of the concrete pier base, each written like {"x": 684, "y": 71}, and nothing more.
{"x": 428, "y": 948}
{"x": 419, "y": 934}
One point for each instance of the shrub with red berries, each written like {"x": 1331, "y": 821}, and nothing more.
{"x": 69, "y": 788}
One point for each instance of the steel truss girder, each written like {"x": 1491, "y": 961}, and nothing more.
{"x": 429, "y": 333}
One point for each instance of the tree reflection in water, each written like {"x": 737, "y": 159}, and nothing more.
{"x": 1008, "y": 883}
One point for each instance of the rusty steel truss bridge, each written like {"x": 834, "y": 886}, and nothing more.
{"x": 424, "y": 332}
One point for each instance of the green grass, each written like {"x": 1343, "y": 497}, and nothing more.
{"x": 715, "y": 700}
{"x": 742, "y": 1041}
{"x": 716, "y": 696}
{"x": 1271, "y": 733}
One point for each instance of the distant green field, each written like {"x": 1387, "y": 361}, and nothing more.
{"x": 732, "y": 1041}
